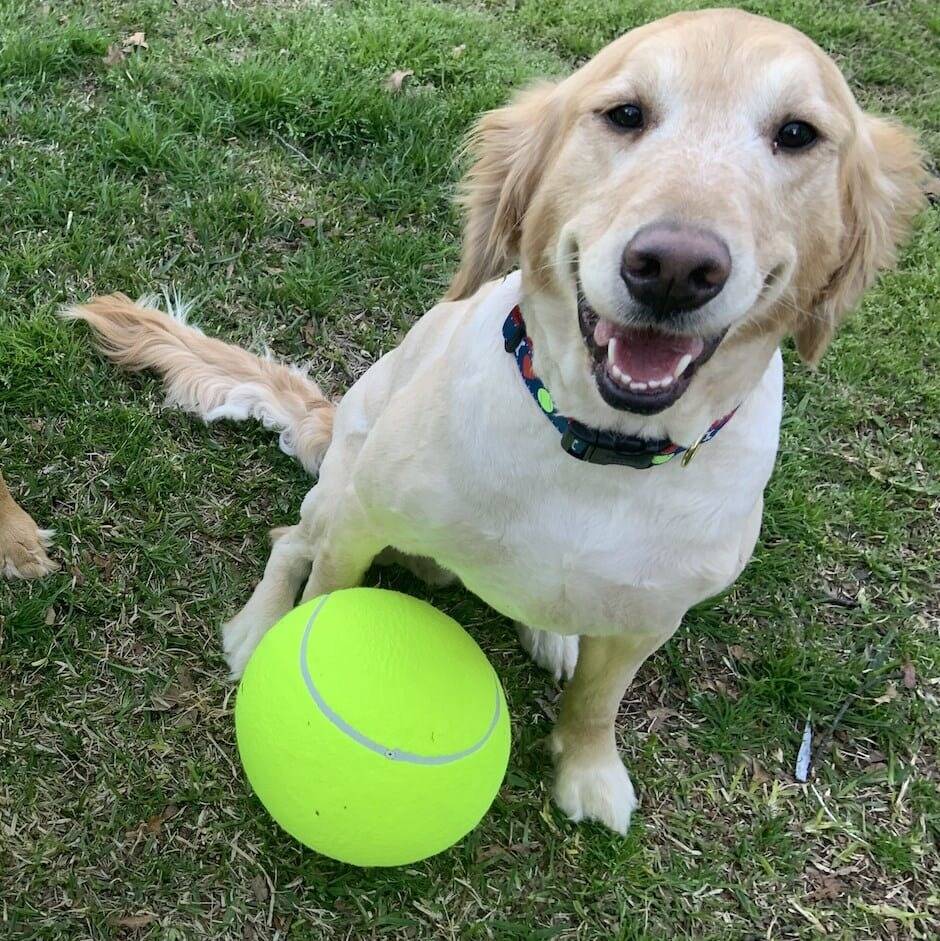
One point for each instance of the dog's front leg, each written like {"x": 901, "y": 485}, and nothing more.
{"x": 333, "y": 542}
{"x": 591, "y": 782}
{"x": 344, "y": 553}
{"x": 273, "y": 597}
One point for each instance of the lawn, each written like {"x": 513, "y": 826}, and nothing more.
{"x": 251, "y": 156}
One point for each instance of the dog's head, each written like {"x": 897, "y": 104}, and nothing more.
{"x": 704, "y": 179}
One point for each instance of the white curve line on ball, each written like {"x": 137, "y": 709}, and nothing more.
{"x": 394, "y": 754}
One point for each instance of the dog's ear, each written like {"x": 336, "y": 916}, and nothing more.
{"x": 509, "y": 148}
{"x": 882, "y": 190}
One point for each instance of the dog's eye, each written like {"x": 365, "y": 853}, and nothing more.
{"x": 795, "y": 135}
{"x": 629, "y": 117}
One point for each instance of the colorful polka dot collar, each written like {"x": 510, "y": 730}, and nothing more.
{"x": 590, "y": 444}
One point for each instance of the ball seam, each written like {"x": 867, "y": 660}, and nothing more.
{"x": 393, "y": 754}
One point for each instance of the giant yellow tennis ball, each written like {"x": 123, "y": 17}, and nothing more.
{"x": 372, "y": 727}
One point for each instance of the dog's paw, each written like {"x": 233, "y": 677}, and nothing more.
{"x": 240, "y": 636}
{"x": 23, "y": 547}
{"x": 596, "y": 789}
{"x": 557, "y": 653}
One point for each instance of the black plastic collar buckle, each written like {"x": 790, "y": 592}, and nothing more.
{"x": 602, "y": 447}
{"x": 513, "y": 336}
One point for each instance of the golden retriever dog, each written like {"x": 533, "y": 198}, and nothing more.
{"x": 581, "y": 432}
{"x": 22, "y": 543}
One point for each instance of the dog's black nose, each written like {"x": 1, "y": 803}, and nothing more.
{"x": 672, "y": 268}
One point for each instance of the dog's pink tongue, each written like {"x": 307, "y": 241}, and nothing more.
{"x": 645, "y": 354}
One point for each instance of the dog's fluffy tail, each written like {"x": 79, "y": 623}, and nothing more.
{"x": 211, "y": 378}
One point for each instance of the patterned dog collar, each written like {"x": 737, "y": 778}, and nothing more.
{"x": 591, "y": 444}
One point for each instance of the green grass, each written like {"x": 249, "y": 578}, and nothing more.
{"x": 251, "y": 157}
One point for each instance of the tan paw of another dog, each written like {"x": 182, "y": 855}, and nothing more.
{"x": 598, "y": 789}
{"x": 23, "y": 547}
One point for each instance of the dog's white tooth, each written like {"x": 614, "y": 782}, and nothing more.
{"x": 615, "y": 372}
{"x": 666, "y": 382}
{"x": 626, "y": 377}
{"x": 682, "y": 365}
{"x": 638, "y": 386}
{"x": 612, "y": 349}
{"x": 654, "y": 383}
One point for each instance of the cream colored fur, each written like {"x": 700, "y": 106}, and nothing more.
{"x": 439, "y": 452}
{"x": 213, "y": 379}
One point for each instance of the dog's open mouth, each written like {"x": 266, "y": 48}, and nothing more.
{"x": 641, "y": 369}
